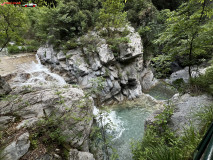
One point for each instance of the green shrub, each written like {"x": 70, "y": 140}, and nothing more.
{"x": 160, "y": 143}
{"x": 204, "y": 82}
{"x": 13, "y": 49}
{"x": 161, "y": 64}
{"x": 31, "y": 48}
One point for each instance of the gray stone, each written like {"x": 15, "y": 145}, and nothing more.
{"x": 148, "y": 80}
{"x": 61, "y": 56}
{"x": 96, "y": 64}
{"x": 124, "y": 71}
{"x": 17, "y": 148}
{"x": 78, "y": 65}
{"x": 74, "y": 154}
{"x": 106, "y": 56}
{"x": 185, "y": 106}
{"x": 132, "y": 49}
{"x": 43, "y": 101}
{"x": 116, "y": 88}
{"x": 184, "y": 74}
{"x": 4, "y": 87}
{"x": 5, "y": 120}
{"x": 47, "y": 54}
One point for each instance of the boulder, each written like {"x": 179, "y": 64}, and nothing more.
{"x": 105, "y": 54}
{"x": 133, "y": 48}
{"x": 74, "y": 154}
{"x": 185, "y": 106}
{"x": 47, "y": 54}
{"x": 184, "y": 74}
{"x": 147, "y": 79}
{"x": 39, "y": 102}
{"x": 17, "y": 148}
{"x": 122, "y": 73}
{"x": 4, "y": 87}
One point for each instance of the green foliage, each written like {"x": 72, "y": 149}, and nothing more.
{"x": 161, "y": 64}
{"x": 205, "y": 115}
{"x": 13, "y": 23}
{"x": 115, "y": 42}
{"x": 149, "y": 22}
{"x": 69, "y": 20}
{"x": 204, "y": 82}
{"x": 112, "y": 16}
{"x": 188, "y": 34}
{"x": 21, "y": 49}
{"x": 160, "y": 143}
{"x": 90, "y": 42}
{"x": 48, "y": 132}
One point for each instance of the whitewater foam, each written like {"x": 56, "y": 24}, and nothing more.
{"x": 112, "y": 122}
{"x": 36, "y": 74}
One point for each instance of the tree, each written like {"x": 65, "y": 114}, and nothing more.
{"x": 189, "y": 32}
{"x": 13, "y": 24}
{"x": 112, "y": 15}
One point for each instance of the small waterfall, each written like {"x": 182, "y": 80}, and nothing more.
{"x": 36, "y": 74}
{"x": 115, "y": 124}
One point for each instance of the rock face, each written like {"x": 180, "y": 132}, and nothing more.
{"x": 17, "y": 148}
{"x": 74, "y": 154}
{"x": 122, "y": 71}
{"x": 185, "y": 106}
{"x": 31, "y": 105}
{"x": 4, "y": 87}
{"x": 184, "y": 74}
{"x": 148, "y": 80}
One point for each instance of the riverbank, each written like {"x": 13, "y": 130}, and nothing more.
{"x": 10, "y": 63}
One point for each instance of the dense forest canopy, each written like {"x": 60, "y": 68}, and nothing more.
{"x": 170, "y": 30}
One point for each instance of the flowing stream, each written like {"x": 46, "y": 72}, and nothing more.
{"x": 35, "y": 73}
{"x": 127, "y": 123}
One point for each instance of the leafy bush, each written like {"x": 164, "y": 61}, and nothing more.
{"x": 161, "y": 64}
{"x": 115, "y": 42}
{"x": 31, "y": 49}
{"x": 204, "y": 82}
{"x": 13, "y": 49}
{"x": 160, "y": 143}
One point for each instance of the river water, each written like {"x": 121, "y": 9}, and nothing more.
{"x": 127, "y": 123}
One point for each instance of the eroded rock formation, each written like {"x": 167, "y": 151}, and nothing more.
{"x": 122, "y": 72}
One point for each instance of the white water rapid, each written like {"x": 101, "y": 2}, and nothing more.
{"x": 35, "y": 73}
{"x": 111, "y": 120}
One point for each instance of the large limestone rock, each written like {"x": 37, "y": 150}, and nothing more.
{"x": 184, "y": 108}
{"x": 33, "y": 105}
{"x": 17, "y": 148}
{"x": 132, "y": 49}
{"x": 123, "y": 73}
{"x": 184, "y": 74}
{"x": 74, "y": 154}
{"x": 4, "y": 87}
{"x": 148, "y": 81}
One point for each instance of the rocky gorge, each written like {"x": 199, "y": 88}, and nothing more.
{"x": 124, "y": 73}
{"x": 47, "y": 114}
